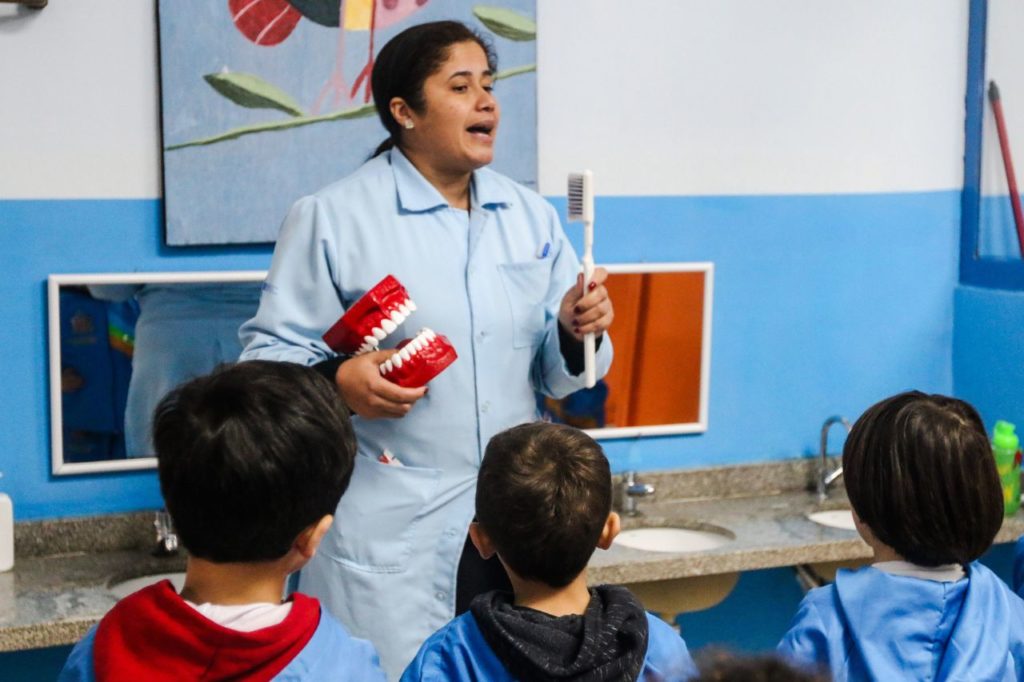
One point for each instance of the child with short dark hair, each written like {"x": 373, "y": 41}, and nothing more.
{"x": 252, "y": 461}
{"x": 543, "y": 503}
{"x": 926, "y": 497}
{"x": 722, "y": 666}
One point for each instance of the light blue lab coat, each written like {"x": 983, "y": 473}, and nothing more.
{"x": 459, "y": 651}
{"x": 871, "y": 625}
{"x": 491, "y": 281}
{"x": 184, "y": 330}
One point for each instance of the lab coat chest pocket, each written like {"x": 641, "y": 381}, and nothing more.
{"x": 526, "y": 285}
{"x": 377, "y": 517}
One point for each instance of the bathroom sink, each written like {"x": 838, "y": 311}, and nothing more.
{"x": 664, "y": 539}
{"x": 834, "y": 518}
{"x": 123, "y": 588}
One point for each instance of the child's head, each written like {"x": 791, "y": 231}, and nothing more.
{"x": 543, "y": 499}
{"x": 920, "y": 475}
{"x": 250, "y": 456}
{"x": 721, "y": 666}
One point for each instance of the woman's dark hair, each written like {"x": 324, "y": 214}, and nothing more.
{"x": 251, "y": 455}
{"x": 543, "y": 496}
{"x": 920, "y": 474}
{"x": 407, "y": 60}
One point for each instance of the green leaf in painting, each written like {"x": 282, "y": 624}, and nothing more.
{"x": 506, "y": 23}
{"x": 253, "y": 92}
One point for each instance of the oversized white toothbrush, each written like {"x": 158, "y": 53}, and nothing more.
{"x": 581, "y": 209}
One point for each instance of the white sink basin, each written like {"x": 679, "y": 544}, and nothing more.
{"x": 671, "y": 539}
{"x": 835, "y": 518}
{"x": 126, "y": 587}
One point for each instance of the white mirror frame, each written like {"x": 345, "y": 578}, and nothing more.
{"x": 701, "y": 425}
{"x": 61, "y": 468}
{"x": 58, "y": 466}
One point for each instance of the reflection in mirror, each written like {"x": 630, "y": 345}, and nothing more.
{"x": 119, "y": 343}
{"x": 658, "y": 381}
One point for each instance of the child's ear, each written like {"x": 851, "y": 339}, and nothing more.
{"x": 310, "y": 538}
{"x": 610, "y": 530}
{"x": 481, "y": 540}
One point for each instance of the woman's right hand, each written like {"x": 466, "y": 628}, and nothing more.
{"x": 369, "y": 394}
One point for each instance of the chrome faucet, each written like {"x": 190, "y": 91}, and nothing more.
{"x": 825, "y": 477}
{"x": 166, "y": 538}
{"x": 632, "y": 491}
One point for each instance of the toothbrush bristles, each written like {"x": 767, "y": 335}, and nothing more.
{"x": 581, "y": 198}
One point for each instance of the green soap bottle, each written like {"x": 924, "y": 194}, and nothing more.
{"x": 1006, "y": 449}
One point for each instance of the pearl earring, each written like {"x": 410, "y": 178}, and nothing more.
{"x": 409, "y": 125}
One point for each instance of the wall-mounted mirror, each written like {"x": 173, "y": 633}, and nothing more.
{"x": 658, "y": 381}
{"x": 119, "y": 342}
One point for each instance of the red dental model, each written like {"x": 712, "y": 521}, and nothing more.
{"x": 377, "y": 314}
{"x": 369, "y": 320}
{"x": 419, "y": 360}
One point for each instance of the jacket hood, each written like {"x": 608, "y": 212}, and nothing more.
{"x": 154, "y": 635}
{"x": 607, "y": 642}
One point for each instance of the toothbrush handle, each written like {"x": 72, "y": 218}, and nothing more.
{"x": 589, "y": 363}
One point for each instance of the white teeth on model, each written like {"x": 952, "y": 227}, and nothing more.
{"x": 379, "y": 333}
{"x": 386, "y": 367}
{"x": 404, "y": 310}
{"x": 370, "y": 341}
{"x": 410, "y": 305}
{"x": 397, "y": 317}
{"x": 404, "y": 353}
{"x": 396, "y": 360}
{"x": 388, "y": 325}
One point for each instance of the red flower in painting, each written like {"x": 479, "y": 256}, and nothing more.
{"x": 264, "y": 22}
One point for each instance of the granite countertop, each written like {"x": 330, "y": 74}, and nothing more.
{"x": 762, "y": 507}
{"x": 59, "y": 586}
{"x": 62, "y": 569}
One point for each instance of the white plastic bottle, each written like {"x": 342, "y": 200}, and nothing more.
{"x": 6, "y": 533}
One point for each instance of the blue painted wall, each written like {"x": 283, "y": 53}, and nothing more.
{"x": 823, "y": 304}
{"x": 988, "y": 352}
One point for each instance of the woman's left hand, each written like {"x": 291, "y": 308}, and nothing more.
{"x": 588, "y": 311}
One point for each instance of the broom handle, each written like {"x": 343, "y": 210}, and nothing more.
{"x": 1011, "y": 177}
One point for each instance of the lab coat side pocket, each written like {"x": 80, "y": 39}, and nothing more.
{"x": 526, "y": 285}
{"x": 375, "y": 524}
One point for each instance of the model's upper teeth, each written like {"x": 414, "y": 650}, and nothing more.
{"x": 388, "y": 325}
{"x": 379, "y": 333}
{"x": 397, "y": 317}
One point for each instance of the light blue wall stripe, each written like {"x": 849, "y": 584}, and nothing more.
{"x": 823, "y": 304}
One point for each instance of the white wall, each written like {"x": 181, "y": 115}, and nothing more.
{"x": 665, "y": 97}
{"x": 658, "y": 97}
{"x": 80, "y": 115}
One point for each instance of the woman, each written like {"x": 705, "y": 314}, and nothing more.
{"x": 488, "y": 265}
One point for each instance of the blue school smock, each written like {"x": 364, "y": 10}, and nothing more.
{"x": 870, "y": 625}
{"x": 491, "y": 280}
{"x": 458, "y": 651}
{"x": 1018, "y": 567}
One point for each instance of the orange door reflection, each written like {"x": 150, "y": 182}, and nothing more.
{"x": 655, "y": 377}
